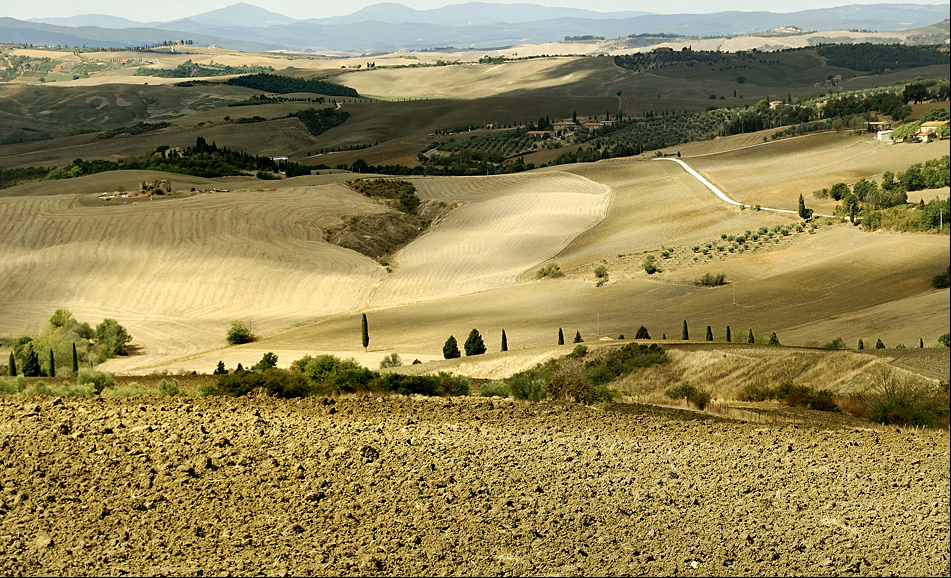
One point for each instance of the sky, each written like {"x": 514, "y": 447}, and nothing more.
{"x": 165, "y": 10}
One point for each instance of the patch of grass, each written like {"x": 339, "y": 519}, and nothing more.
{"x": 551, "y": 270}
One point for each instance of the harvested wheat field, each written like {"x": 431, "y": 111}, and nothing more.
{"x": 423, "y": 486}
{"x": 177, "y": 271}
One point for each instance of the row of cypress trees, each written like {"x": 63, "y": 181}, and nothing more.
{"x": 31, "y": 364}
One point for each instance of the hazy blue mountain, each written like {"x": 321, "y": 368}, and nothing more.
{"x": 241, "y": 15}
{"x": 391, "y": 26}
{"x": 97, "y": 20}
{"x": 21, "y": 32}
{"x": 468, "y": 14}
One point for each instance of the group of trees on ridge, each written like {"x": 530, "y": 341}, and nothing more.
{"x": 65, "y": 345}
{"x": 866, "y": 199}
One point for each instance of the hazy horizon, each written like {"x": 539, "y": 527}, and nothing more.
{"x": 302, "y": 9}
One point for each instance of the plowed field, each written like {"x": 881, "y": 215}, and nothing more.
{"x": 401, "y": 486}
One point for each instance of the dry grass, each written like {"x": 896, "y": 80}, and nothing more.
{"x": 176, "y": 272}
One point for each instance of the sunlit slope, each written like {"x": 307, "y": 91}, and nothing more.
{"x": 508, "y": 224}
{"x": 774, "y": 174}
{"x": 178, "y": 271}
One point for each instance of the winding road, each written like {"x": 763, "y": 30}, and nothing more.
{"x": 723, "y": 196}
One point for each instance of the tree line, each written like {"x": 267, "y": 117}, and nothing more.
{"x": 64, "y": 345}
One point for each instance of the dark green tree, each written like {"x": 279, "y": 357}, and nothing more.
{"x": 684, "y": 334}
{"x": 31, "y": 362}
{"x": 804, "y": 213}
{"x": 709, "y": 333}
{"x": 921, "y": 343}
{"x": 240, "y": 332}
{"x": 773, "y": 340}
{"x": 750, "y": 339}
{"x": 878, "y": 345}
{"x": 221, "y": 370}
{"x": 505, "y": 342}
{"x": 642, "y": 333}
{"x": 578, "y": 337}
{"x": 12, "y": 366}
{"x": 861, "y": 345}
{"x": 451, "y": 349}
{"x": 52, "y": 372}
{"x": 365, "y": 331}
{"x": 561, "y": 337}
{"x": 728, "y": 340}
{"x": 75, "y": 361}
{"x": 474, "y": 344}
{"x": 268, "y": 360}
{"x": 111, "y": 338}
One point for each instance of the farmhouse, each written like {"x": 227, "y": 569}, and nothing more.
{"x": 927, "y": 130}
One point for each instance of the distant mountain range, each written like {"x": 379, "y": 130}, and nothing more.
{"x": 392, "y": 26}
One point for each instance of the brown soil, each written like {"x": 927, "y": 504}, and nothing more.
{"x": 401, "y": 486}
{"x": 380, "y": 235}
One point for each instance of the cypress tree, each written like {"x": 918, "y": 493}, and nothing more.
{"x": 709, "y": 333}
{"x": 561, "y": 337}
{"x": 750, "y": 338}
{"x": 578, "y": 337}
{"x": 75, "y": 361}
{"x": 31, "y": 362}
{"x": 728, "y": 340}
{"x": 474, "y": 344}
{"x": 684, "y": 334}
{"x": 773, "y": 340}
{"x": 505, "y": 342}
{"x": 365, "y": 330}
{"x": 878, "y": 345}
{"x": 642, "y": 333}
{"x": 664, "y": 337}
{"x": 921, "y": 343}
{"x": 861, "y": 344}
{"x": 52, "y": 364}
{"x": 12, "y": 366}
{"x": 450, "y": 350}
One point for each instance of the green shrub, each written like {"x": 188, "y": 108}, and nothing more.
{"x": 13, "y": 385}
{"x": 391, "y": 360}
{"x": 700, "y": 399}
{"x": 942, "y": 281}
{"x": 897, "y": 399}
{"x": 579, "y": 351}
{"x": 649, "y": 264}
{"x": 132, "y": 389}
{"x": 682, "y": 391}
{"x": 497, "y": 388}
{"x": 551, "y": 270}
{"x": 836, "y": 343}
{"x": 755, "y": 392}
{"x": 945, "y": 340}
{"x": 38, "y": 388}
{"x": 524, "y": 386}
{"x": 98, "y": 380}
{"x": 168, "y": 387}
{"x": 240, "y": 332}
{"x": 710, "y": 280}
{"x": 693, "y": 395}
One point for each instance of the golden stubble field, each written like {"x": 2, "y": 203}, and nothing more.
{"x": 176, "y": 272}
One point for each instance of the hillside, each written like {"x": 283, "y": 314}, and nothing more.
{"x": 258, "y": 253}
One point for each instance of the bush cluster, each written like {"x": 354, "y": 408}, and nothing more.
{"x": 330, "y": 375}
{"x": 791, "y": 395}
{"x": 694, "y": 395}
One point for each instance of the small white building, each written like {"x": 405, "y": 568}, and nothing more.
{"x": 884, "y": 135}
